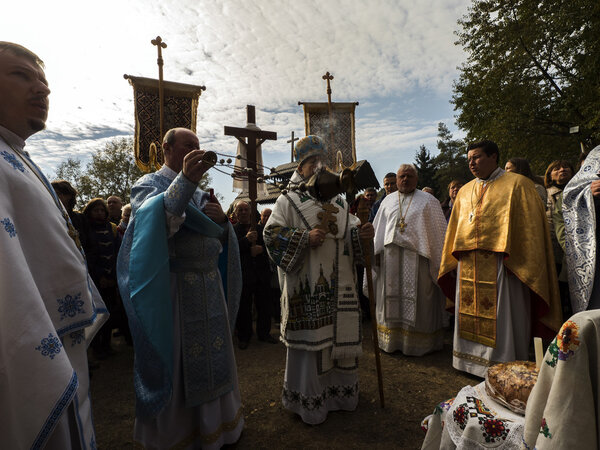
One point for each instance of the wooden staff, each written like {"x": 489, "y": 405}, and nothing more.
{"x": 363, "y": 215}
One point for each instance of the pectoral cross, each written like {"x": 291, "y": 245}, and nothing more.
{"x": 328, "y": 219}
{"x": 401, "y": 225}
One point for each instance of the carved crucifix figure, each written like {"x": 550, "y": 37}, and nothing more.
{"x": 251, "y": 139}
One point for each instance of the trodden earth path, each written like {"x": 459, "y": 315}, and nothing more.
{"x": 413, "y": 386}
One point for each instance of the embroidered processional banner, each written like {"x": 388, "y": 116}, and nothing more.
{"x": 180, "y": 110}
{"x": 317, "y": 121}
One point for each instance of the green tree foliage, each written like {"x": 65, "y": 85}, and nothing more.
{"x": 451, "y": 162}
{"x": 531, "y": 74}
{"x": 425, "y": 164}
{"x": 111, "y": 171}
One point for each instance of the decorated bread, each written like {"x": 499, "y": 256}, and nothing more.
{"x": 511, "y": 383}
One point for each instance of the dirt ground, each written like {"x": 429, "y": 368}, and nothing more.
{"x": 412, "y": 388}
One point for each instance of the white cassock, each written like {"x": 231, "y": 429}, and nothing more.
{"x": 409, "y": 238}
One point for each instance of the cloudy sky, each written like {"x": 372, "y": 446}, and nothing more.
{"x": 396, "y": 57}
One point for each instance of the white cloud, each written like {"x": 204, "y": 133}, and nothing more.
{"x": 392, "y": 56}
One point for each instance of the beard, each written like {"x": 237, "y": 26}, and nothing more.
{"x": 36, "y": 124}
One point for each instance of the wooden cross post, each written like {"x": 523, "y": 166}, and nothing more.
{"x": 251, "y": 144}
{"x": 161, "y": 95}
{"x": 328, "y": 77}
{"x": 292, "y": 144}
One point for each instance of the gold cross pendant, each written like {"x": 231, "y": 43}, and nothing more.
{"x": 402, "y": 226}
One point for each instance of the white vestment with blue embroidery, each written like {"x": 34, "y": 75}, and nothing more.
{"x": 180, "y": 316}
{"x": 49, "y": 312}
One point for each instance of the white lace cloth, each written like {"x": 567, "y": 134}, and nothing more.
{"x": 473, "y": 421}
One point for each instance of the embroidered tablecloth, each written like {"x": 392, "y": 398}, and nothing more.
{"x": 472, "y": 420}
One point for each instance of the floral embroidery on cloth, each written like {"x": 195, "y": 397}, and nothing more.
{"x": 13, "y": 161}
{"x": 494, "y": 430}
{"x": 9, "y": 227}
{"x": 70, "y": 306}
{"x": 77, "y": 337}
{"x": 313, "y": 402}
{"x": 49, "y": 346}
{"x": 564, "y": 344}
{"x": 545, "y": 430}
{"x": 461, "y": 416}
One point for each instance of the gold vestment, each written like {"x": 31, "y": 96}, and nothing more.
{"x": 509, "y": 218}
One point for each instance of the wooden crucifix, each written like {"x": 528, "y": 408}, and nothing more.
{"x": 251, "y": 139}
{"x": 161, "y": 95}
{"x": 292, "y": 144}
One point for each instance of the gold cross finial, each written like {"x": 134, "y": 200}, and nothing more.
{"x": 328, "y": 77}
{"x": 159, "y": 42}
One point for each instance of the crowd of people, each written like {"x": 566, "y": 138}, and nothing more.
{"x": 506, "y": 256}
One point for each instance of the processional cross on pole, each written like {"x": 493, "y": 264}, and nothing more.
{"x": 251, "y": 139}
{"x": 328, "y": 77}
{"x": 161, "y": 95}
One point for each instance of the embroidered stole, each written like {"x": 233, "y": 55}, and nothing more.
{"x": 401, "y": 280}
{"x": 323, "y": 306}
{"x": 478, "y": 297}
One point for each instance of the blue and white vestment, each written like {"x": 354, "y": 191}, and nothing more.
{"x": 180, "y": 316}
{"x": 581, "y": 240}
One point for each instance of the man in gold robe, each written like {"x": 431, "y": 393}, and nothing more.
{"x": 498, "y": 265}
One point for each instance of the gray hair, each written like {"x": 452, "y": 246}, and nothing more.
{"x": 412, "y": 167}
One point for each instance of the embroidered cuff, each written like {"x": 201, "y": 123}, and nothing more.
{"x": 178, "y": 194}
{"x": 286, "y": 246}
